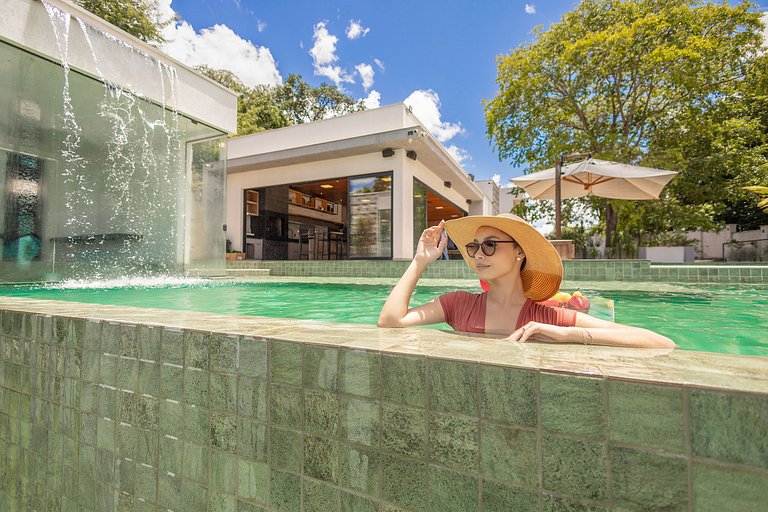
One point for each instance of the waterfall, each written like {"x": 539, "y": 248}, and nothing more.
{"x": 121, "y": 200}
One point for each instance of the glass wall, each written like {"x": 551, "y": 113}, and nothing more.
{"x": 419, "y": 211}
{"x": 206, "y": 238}
{"x": 370, "y": 216}
{"x": 93, "y": 180}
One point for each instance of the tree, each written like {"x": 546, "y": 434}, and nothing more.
{"x": 257, "y": 108}
{"x": 302, "y": 103}
{"x": 294, "y": 102}
{"x": 611, "y": 75}
{"x": 140, "y": 18}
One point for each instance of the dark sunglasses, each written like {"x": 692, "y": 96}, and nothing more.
{"x": 488, "y": 247}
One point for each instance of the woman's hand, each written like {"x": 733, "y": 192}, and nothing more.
{"x": 431, "y": 244}
{"x": 534, "y": 331}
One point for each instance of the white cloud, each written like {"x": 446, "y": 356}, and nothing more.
{"x": 366, "y": 75}
{"x": 324, "y": 56}
{"x": 373, "y": 100}
{"x": 496, "y": 178}
{"x": 426, "y": 106}
{"x": 458, "y": 154}
{"x": 355, "y": 29}
{"x": 218, "y": 47}
{"x": 530, "y": 9}
{"x": 544, "y": 226}
{"x": 765, "y": 31}
{"x": 261, "y": 25}
{"x": 379, "y": 64}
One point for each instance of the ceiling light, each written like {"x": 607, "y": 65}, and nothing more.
{"x": 438, "y": 207}
{"x": 386, "y": 178}
{"x": 326, "y": 185}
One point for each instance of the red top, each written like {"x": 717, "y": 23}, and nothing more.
{"x": 465, "y": 311}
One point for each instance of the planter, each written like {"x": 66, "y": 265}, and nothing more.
{"x": 235, "y": 256}
{"x": 565, "y": 248}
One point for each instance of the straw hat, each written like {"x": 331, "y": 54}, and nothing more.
{"x": 543, "y": 270}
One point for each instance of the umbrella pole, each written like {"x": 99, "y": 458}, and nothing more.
{"x": 558, "y": 170}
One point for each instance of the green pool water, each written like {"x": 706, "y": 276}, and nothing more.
{"x": 715, "y": 319}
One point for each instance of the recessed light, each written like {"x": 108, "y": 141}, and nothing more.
{"x": 438, "y": 207}
{"x": 326, "y": 185}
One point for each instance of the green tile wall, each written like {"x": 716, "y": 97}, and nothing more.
{"x": 574, "y": 270}
{"x": 100, "y": 416}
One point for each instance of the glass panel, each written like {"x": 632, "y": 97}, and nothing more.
{"x": 370, "y": 202}
{"x": 207, "y": 239}
{"x": 419, "y": 211}
{"x": 92, "y": 177}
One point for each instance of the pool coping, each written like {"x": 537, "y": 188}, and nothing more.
{"x": 707, "y": 370}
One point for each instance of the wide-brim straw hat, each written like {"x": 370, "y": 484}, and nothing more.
{"x": 543, "y": 270}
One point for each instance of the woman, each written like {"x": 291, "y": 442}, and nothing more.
{"x": 521, "y": 268}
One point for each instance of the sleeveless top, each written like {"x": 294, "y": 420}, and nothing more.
{"x": 465, "y": 311}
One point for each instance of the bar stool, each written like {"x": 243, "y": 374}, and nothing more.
{"x": 309, "y": 238}
{"x": 336, "y": 239}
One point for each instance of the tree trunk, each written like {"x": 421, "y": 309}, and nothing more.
{"x": 611, "y": 220}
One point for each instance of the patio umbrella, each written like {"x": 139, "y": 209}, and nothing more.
{"x": 594, "y": 177}
{"x": 599, "y": 178}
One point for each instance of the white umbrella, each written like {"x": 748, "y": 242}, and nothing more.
{"x": 599, "y": 178}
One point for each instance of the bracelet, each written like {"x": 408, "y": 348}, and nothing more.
{"x": 586, "y": 334}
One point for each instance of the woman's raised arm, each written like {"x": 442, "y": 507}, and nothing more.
{"x": 395, "y": 312}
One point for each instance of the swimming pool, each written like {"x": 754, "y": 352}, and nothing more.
{"x": 725, "y": 319}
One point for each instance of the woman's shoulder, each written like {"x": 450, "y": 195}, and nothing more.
{"x": 461, "y": 295}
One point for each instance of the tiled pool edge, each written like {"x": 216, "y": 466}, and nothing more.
{"x": 574, "y": 270}
{"x": 211, "y": 416}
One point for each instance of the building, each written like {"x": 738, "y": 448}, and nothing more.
{"x": 360, "y": 186}
{"x": 491, "y": 191}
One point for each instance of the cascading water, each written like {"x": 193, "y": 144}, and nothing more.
{"x": 137, "y": 175}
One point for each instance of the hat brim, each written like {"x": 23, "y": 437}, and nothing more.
{"x": 543, "y": 270}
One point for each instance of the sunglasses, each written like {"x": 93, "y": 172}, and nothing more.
{"x": 488, "y": 247}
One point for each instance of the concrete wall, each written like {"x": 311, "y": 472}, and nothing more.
{"x": 709, "y": 244}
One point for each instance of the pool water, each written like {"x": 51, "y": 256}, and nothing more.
{"x": 717, "y": 319}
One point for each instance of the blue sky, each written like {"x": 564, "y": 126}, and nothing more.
{"x": 437, "y": 56}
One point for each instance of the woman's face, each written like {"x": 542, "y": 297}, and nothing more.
{"x": 504, "y": 258}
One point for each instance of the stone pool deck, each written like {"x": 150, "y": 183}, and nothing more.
{"x": 113, "y": 408}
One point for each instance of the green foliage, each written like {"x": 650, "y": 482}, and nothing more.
{"x": 673, "y": 84}
{"x": 301, "y": 103}
{"x": 294, "y": 102}
{"x": 763, "y": 191}
{"x": 605, "y": 75}
{"x": 140, "y": 18}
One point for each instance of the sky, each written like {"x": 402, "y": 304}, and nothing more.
{"x": 437, "y": 56}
